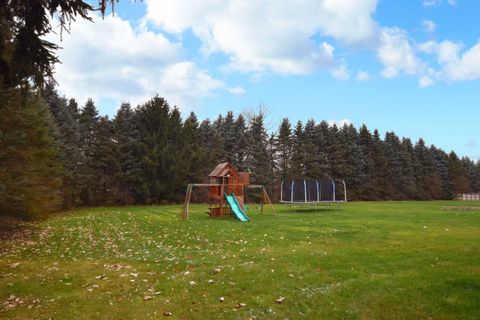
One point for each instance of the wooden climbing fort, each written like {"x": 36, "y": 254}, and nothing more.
{"x": 225, "y": 180}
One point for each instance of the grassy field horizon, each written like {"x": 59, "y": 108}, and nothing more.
{"x": 365, "y": 260}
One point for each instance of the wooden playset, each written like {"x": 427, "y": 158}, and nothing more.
{"x": 226, "y": 193}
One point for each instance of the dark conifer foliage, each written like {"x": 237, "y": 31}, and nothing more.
{"x": 30, "y": 166}
{"x": 148, "y": 154}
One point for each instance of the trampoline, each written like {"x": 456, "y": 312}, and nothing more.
{"x": 313, "y": 191}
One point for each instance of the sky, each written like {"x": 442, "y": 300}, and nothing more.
{"x": 412, "y": 67}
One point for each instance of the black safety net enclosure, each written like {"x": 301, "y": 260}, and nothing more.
{"x": 313, "y": 191}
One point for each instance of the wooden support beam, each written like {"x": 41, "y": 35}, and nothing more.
{"x": 268, "y": 199}
{"x": 185, "y": 208}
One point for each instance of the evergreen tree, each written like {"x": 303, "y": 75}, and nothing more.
{"x": 458, "y": 174}
{"x": 258, "y": 159}
{"x": 310, "y": 151}
{"x": 428, "y": 179}
{"x": 469, "y": 166}
{"x": 353, "y": 163}
{"x": 476, "y": 186}
{"x": 441, "y": 161}
{"x": 127, "y": 153}
{"x": 298, "y": 158}
{"x": 212, "y": 143}
{"x": 380, "y": 172}
{"x": 393, "y": 151}
{"x": 366, "y": 188}
{"x": 229, "y": 138}
{"x": 68, "y": 138}
{"x": 409, "y": 166}
{"x": 322, "y": 135}
{"x": 30, "y": 168}
{"x": 336, "y": 155}
{"x": 241, "y": 139}
{"x": 88, "y": 123}
{"x": 284, "y": 149}
{"x": 106, "y": 165}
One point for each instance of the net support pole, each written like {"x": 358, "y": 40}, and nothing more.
{"x": 305, "y": 189}
{"x": 334, "y": 191}
{"x": 291, "y": 190}
{"x": 281, "y": 192}
{"x": 345, "y": 190}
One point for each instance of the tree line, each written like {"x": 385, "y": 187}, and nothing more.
{"x": 55, "y": 154}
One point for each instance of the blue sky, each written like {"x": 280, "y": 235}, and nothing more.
{"x": 412, "y": 67}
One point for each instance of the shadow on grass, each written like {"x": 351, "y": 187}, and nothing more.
{"x": 310, "y": 210}
{"x": 12, "y": 228}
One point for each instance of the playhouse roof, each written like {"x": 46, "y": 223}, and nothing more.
{"x": 222, "y": 169}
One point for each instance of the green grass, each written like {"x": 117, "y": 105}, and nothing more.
{"x": 379, "y": 260}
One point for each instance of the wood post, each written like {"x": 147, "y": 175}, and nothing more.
{"x": 268, "y": 199}
{"x": 187, "y": 202}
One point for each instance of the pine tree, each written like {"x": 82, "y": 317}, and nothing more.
{"x": 476, "y": 185}
{"x": 393, "y": 150}
{"x": 284, "y": 149}
{"x": 298, "y": 150}
{"x": 88, "y": 123}
{"x": 193, "y": 150}
{"x": 441, "y": 161}
{"x": 380, "y": 172}
{"x": 428, "y": 179}
{"x": 258, "y": 154}
{"x": 336, "y": 155}
{"x": 241, "y": 139}
{"x": 458, "y": 174}
{"x": 321, "y": 147}
{"x": 229, "y": 137}
{"x": 211, "y": 141}
{"x": 409, "y": 166}
{"x": 106, "y": 165}
{"x": 366, "y": 188}
{"x": 68, "y": 138}
{"x": 310, "y": 151}
{"x": 353, "y": 164}
{"x": 127, "y": 153}
{"x": 30, "y": 168}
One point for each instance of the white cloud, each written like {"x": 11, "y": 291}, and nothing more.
{"x": 109, "y": 59}
{"x": 464, "y": 67}
{"x": 341, "y": 71}
{"x": 270, "y": 35}
{"x": 429, "y": 26}
{"x": 453, "y": 65}
{"x": 237, "y": 90}
{"x": 397, "y": 54}
{"x": 432, "y": 3}
{"x": 426, "y": 81}
{"x": 362, "y": 75}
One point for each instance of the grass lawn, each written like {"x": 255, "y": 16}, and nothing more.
{"x": 379, "y": 260}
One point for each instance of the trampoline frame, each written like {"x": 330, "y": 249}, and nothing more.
{"x": 319, "y": 192}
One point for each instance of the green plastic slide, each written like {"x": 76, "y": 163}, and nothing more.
{"x": 237, "y": 211}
